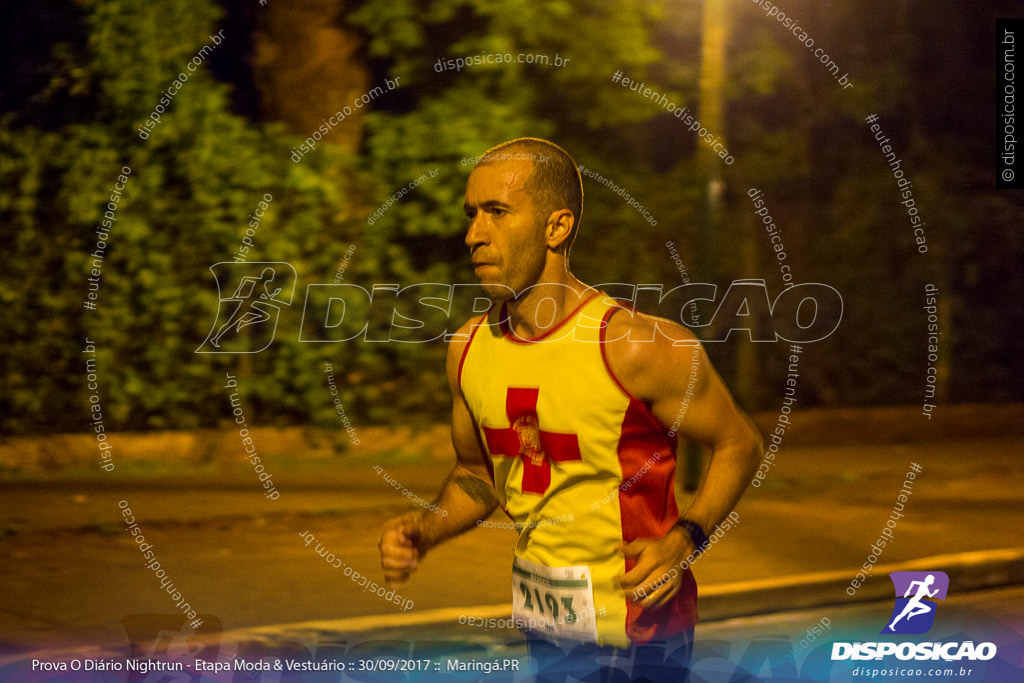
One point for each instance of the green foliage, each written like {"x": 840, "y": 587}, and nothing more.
{"x": 185, "y": 206}
{"x": 197, "y": 177}
{"x": 458, "y": 114}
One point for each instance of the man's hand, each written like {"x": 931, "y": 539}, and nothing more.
{"x": 401, "y": 547}
{"x": 651, "y": 582}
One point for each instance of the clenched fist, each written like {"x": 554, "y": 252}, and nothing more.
{"x": 402, "y": 547}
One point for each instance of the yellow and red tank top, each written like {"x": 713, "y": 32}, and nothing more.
{"x": 579, "y": 464}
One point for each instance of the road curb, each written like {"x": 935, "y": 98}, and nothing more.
{"x": 967, "y": 571}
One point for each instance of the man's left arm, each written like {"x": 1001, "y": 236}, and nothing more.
{"x": 672, "y": 374}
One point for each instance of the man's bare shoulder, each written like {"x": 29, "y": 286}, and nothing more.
{"x": 635, "y": 330}
{"x": 640, "y": 347}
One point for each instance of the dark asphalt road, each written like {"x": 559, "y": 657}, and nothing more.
{"x": 72, "y": 574}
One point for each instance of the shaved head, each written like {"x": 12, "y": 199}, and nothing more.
{"x": 555, "y": 181}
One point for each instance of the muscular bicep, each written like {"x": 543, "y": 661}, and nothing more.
{"x": 693, "y": 401}
{"x": 670, "y": 371}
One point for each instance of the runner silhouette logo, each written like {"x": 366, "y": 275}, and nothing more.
{"x": 914, "y": 612}
{"x": 251, "y": 296}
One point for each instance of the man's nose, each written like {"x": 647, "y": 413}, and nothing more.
{"x": 476, "y": 235}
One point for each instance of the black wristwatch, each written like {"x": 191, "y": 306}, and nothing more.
{"x": 697, "y": 535}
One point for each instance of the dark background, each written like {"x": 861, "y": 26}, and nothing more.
{"x": 81, "y": 78}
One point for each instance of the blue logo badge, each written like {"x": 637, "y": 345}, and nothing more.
{"x": 914, "y": 612}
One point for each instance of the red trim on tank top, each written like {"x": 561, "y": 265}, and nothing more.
{"x": 462, "y": 361}
{"x": 647, "y": 509}
{"x": 519, "y": 340}
{"x": 604, "y": 357}
{"x": 472, "y": 335}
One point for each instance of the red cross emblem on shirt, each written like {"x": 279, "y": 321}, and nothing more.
{"x": 524, "y": 438}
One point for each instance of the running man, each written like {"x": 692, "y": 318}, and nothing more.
{"x": 916, "y": 604}
{"x": 249, "y": 310}
{"x": 560, "y": 396}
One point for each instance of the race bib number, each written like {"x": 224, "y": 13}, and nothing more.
{"x": 557, "y": 602}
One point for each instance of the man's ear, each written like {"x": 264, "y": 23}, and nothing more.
{"x": 559, "y": 228}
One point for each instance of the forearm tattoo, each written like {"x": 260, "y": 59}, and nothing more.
{"x": 477, "y": 489}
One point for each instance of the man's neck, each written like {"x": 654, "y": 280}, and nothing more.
{"x": 545, "y": 305}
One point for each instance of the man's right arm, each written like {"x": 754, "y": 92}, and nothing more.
{"x": 466, "y": 498}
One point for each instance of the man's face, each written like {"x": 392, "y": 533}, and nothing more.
{"x": 506, "y": 241}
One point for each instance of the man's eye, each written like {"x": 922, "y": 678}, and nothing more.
{"x": 498, "y": 212}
